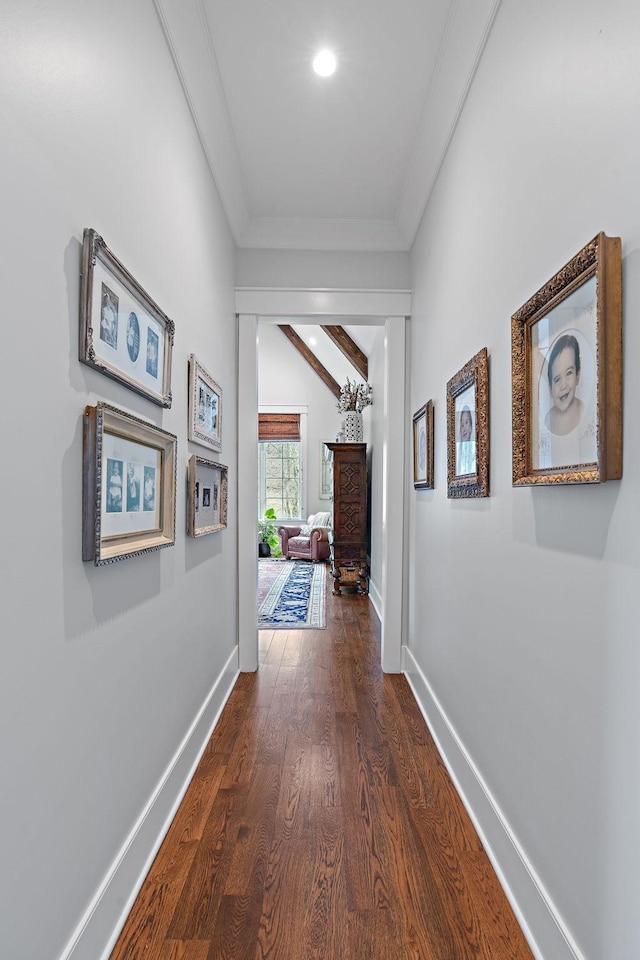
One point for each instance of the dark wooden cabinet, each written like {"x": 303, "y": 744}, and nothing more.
{"x": 349, "y": 541}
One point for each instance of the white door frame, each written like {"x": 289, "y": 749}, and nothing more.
{"x": 385, "y": 307}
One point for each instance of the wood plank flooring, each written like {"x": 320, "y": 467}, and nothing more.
{"x": 321, "y": 823}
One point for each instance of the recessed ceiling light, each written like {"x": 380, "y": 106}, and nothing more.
{"x": 325, "y": 63}
{"x": 312, "y": 341}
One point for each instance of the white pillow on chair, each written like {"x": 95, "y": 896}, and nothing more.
{"x": 314, "y": 520}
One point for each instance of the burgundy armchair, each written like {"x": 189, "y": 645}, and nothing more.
{"x": 308, "y": 541}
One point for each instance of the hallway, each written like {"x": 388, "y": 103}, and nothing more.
{"x": 321, "y": 822}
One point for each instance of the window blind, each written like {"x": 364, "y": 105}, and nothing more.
{"x": 278, "y": 426}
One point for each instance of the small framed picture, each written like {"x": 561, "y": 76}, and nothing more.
{"x": 423, "y": 447}
{"x": 468, "y": 429}
{"x": 129, "y": 486}
{"x": 207, "y": 492}
{"x": 566, "y": 373}
{"x": 123, "y": 332}
{"x": 205, "y": 407}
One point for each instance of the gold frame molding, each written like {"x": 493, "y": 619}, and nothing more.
{"x": 425, "y": 412}
{"x": 600, "y": 258}
{"x": 475, "y": 374}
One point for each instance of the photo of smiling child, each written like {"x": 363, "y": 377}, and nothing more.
{"x": 563, "y": 372}
{"x": 465, "y": 433}
{"x": 567, "y": 430}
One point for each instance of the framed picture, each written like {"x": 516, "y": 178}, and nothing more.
{"x": 128, "y": 488}
{"x": 205, "y": 407}
{"x": 326, "y": 471}
{"x": 123, "y": 332}
{"x": 566, "y": 373}
{"x": 423, "y": 447}
{"x": 207, "y": 492}
{"x": 468, "y": 429}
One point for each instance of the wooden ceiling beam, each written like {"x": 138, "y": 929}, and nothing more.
{"x": 311, "y": 359}
{"x": 349, "y": 348}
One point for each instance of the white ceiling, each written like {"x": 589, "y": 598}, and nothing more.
{"x": 341, "y": 163}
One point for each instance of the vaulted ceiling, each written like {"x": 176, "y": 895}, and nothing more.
{"x": 345, "y": 163}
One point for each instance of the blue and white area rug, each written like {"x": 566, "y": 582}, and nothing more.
{"x": 291, "y": 594}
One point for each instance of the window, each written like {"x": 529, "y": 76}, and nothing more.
{"x": 280, "y": 457}
{"x": 279, "y": 478}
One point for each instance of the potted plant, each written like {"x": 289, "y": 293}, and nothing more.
{"x": 267, "y": 533}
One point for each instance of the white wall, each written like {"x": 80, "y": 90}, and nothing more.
{"x": 104, "y": 670}
{"x": 523, "y": 614}
{"x": 318, "y": 268}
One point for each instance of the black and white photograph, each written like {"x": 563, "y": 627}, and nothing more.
{"x": 115, "y": 472}
{"x": 468, "y": 429}
{"x": 109, "y": 317}
{"x": 465, "y": 405}
{"x": 152, "y": 353}
{"x": 133, "y": 337}
{"x": 206, "y": 496}
{"x": 563, "y": 358}
{"x": 134, "y": 477}
{"x": 207, "y": 408}
{"x": 149, "y": 489}
{"x": 197, "y": 496}
{"x": 124, "y": 335}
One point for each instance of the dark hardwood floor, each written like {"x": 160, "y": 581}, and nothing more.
{"x": 321, "y": 823}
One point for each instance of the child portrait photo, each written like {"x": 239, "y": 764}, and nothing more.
{"x": 465, "y": 407}
{"x": 564, "y": 382}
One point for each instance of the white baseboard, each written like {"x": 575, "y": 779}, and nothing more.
{"x": 376, "y": 599}
{"x": 541, "y": 923}
{"x": 99, "y": 928}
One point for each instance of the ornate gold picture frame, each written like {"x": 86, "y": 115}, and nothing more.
{"x": 468, "y": 429}
{"x": 566, "y": 357}
{"x": 423, "y": 447}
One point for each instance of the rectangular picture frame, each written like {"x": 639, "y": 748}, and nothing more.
{"x": 423, "y": 440}
{"x": 128, "y": 488}
{"x": 207, "y": 496}
{"x": 326, "y": 471}
{"x": 123, "y": 332}
{"x": 566, "y": 373}
{"x": 468, "y": 429}
{"x": 205, "y": 407}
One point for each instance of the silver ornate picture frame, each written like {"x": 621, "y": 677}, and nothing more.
{"x": 128, "y": 486}
{"x": 207, "y": 496}
{"x": 123, "y": 333}
{"x": 205, "y": 407}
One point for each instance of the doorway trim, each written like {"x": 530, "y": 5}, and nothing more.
{"x": 388, "y": 308}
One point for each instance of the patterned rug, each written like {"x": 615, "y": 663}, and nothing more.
{"x": 291, "y": 594}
